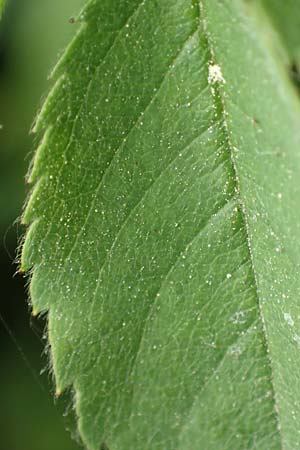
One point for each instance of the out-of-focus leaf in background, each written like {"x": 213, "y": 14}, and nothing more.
{"x": 286, "y": 17}
{"x": 2, "y": 3}
{"x": 32, "y": 35}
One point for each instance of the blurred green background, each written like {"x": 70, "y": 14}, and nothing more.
{"x": 32, "y": 35}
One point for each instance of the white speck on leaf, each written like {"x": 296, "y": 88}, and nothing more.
{"x": 288, "y": 319}
{"x": 296, "y": 338}
{"x": 239, "y": 317}
{"x": 215, "y": 74}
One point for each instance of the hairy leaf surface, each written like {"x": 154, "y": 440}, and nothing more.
{"x": 164, "y": 229}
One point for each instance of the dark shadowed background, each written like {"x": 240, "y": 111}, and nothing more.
{"x": 32, "y": 35}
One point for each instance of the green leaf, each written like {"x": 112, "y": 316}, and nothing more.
{"x": 286, "y": 18}
{"x": 2, "y": 4}
{"x": 164, "y": 227}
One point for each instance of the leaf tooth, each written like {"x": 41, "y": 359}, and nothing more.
{"x": 29, "y": 215}
{"x": 61, "y": 65}
{"x": 42, "y": 119}
{"x": 34, "y": 170}
{"x": 26, "y": 253}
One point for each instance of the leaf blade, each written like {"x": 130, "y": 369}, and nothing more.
{"x": 196, "y": 180}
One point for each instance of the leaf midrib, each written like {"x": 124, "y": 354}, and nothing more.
{"x": 219, "y": 100}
